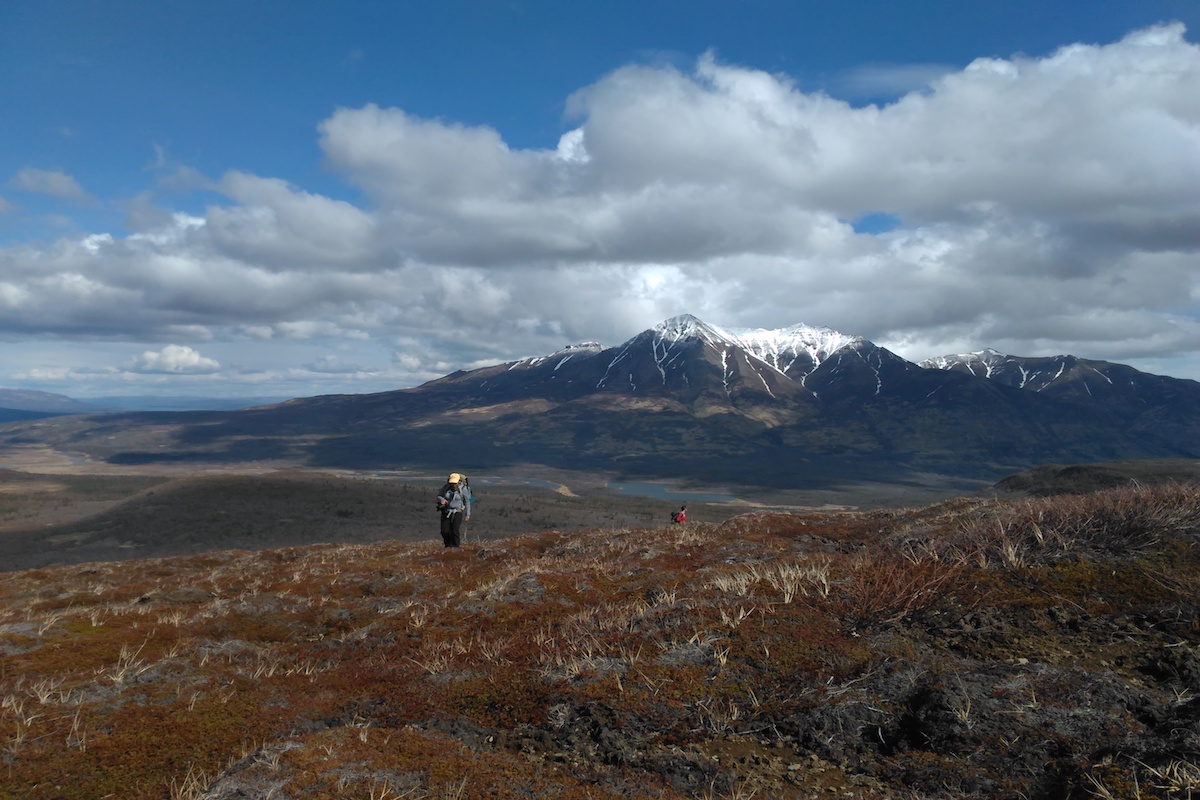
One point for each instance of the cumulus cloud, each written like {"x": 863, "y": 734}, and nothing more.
{"x": 276, "y": 225}
{"x": 50, "y": 182}
{"x": 174, "y": 359}
{"x": 1041, "y": 205}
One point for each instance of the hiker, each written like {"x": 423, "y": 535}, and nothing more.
{"x": 454, "y": 508}
{"x": 680, "y": 516}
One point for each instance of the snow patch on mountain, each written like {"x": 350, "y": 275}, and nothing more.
{"x": 779, "y": 347}
{"x": 776, "y": 349}
{"x": 583, "y": 349}
{"x": 1037, "y": 373}
{"x": 982, "y": 363}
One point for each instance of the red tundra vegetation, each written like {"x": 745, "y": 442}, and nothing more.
{"x": 974, "y": 648}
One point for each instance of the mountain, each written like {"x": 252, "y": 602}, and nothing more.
{"x": 707, "y": 367}
{"x": 682, "y": 360}
{"x": 688, "y": 400}
{"x": 18, "y": 404}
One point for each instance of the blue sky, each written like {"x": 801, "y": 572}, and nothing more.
{"x": 280, "y": 198}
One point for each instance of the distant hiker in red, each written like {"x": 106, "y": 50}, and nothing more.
{"x": 680, "y": 516}
{"x": 454, "y": 508}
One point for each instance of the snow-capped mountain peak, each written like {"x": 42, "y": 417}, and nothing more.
{"x": 778, "y": 347}
{"x": 686, "y": 326}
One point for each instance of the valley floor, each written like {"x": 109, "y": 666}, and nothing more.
{"x": 55, "y": 512}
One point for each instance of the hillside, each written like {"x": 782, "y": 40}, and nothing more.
{"x": 1038, "y": 649}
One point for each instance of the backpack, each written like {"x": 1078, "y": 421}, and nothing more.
{"x": 674, "y": 516}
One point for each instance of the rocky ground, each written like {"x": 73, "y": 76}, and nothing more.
{"x": 1045, "y": 648}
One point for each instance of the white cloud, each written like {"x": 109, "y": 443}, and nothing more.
{"x": 5, "y": 206}
{"x": 174, "y": 359}
{"x": 43, "y": 374}
{"x": 186, "y": 179}
{"x": 333, "y": 365}
{"x": 260, "y": 332}
{"x": 407, "y": 362}
{"x": 1045, "y": 205}
{"x": 160, "y": 157}
{"x": 55, "y": 183}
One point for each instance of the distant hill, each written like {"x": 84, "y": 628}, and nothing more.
{"x": 146, "y": 402}
{"x": 799, "y": 406}
{"x": 42, "y": 403}
{"x": 1053, "y": 479}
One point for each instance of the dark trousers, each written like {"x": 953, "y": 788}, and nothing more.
{"x": 452, "y": 529}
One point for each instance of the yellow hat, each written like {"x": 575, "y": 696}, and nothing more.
{"x": 454, "y": 478}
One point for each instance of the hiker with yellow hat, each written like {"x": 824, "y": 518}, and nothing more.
{"x": 454, "y": 508}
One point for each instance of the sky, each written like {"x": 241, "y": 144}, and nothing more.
{"x": 228, "y": 198}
